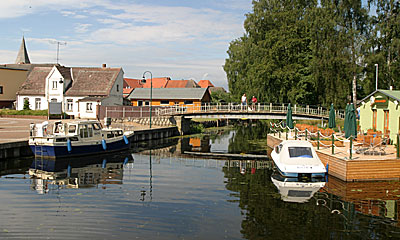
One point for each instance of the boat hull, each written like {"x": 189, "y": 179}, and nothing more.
{"x": 300, "y": 175}
{"x": 60, "y": 151}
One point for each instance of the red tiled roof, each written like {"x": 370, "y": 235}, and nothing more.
{"x": 132, "y": 83}
{"x": 157, "y": 82}
{"x": 182, "y": 84}
{"x": 205, "y": 83}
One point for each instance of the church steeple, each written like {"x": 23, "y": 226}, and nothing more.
{"x": 22, "y": 57}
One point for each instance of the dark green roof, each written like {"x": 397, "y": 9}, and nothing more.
{"x": 168, "y": 93}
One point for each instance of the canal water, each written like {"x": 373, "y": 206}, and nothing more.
{"x": 159, "y": 192}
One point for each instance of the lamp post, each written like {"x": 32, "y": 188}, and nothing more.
{"x": 376, "y": 83}
{"x": 151, "y": 90}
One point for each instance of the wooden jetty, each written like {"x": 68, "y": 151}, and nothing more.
{"x": 360, "y": 167}
{"x": 228, "y": 155}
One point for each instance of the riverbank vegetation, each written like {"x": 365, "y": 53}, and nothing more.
{"x": 23, "y": 112}
{"x": 315, "y": 52}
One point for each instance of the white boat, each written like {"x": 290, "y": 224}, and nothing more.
{"x": 75, "y": 138}
{"x": 295, "y": 158}
{"x": 293, "y": 190}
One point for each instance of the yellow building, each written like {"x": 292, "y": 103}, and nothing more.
{"x": 11, "y": 80}
{"x": 185, "y": 97}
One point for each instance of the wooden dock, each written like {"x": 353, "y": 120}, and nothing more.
{"x": 359, "y": 168}
{"x": 228, "y": 155}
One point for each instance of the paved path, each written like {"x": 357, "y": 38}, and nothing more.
{"x": 15, "y": 129}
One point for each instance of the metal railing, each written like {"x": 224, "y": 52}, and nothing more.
{"x": 256, "y": 108}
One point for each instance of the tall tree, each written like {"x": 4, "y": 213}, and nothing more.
{"x": 271, "y": 61}
{"x": 384, "y": 46}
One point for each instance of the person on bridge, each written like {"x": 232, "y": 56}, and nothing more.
{"x": 253, "y": 104}
{"x": 244, "y": 101}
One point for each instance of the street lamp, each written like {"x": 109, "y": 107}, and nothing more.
{"x": 151, "y": 90}
{"x": 376, "y": 84}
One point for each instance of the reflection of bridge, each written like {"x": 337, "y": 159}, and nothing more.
{"x": 237, "y": 111}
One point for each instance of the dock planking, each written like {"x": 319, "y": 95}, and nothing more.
{"x": 355, "y": 169}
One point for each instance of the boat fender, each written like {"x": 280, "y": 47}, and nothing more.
{"x": 104, "y": 144}
{"x": 104, "y": 163}
{"x": 69, "y": 146}
{"x": 69, "y": 171}
{"x": 126, "y": 140}
{"x": 126, "y": 160}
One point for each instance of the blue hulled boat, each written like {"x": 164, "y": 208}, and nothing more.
{"x": 75, "y": 138}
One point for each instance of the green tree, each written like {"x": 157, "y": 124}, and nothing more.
{"x": 383, "y": 46}
{"x": 271, "y": 61}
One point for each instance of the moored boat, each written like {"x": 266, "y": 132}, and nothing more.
{"x": 294, "y": 158}
{"x": 75, "y": 138}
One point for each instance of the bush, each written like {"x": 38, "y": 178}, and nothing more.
{"x": 26, "y": 104}
{"x": 23, "y": 112}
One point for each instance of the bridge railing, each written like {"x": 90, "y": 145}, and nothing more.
{"x": 258, "y": 107}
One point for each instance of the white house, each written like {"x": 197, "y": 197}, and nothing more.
{"x": 79, "y": 89}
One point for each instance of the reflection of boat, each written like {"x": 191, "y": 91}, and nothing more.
{"x": 75, "y": 138}
{"x": 295, "y": 190}
{"x": 78, "y": 172}
{"x": 295, "y": 158}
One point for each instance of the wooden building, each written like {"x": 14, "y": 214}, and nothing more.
{"x": 380, "y": 111}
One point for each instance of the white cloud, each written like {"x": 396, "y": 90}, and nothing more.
{"x": 82, "y": 27}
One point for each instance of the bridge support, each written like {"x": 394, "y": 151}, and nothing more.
{"x": 183, "y": 124}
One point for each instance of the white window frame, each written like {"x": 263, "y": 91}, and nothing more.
{"x": 89, "y": 107}
{"x": 164, "y": 104}
{"x": 38, "y": 103}
{"x": 70, "y": 105}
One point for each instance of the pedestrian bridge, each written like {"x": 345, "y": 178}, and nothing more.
{"x": 257, "y": 111}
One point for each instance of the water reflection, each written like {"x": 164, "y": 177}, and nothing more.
{"x": 164, "y": 194}
{"x": 294, "y": 190}
{"x": 84, "y": 172}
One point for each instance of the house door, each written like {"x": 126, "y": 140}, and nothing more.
{"x": 374, "y": 116}
{"x": 386, "y": 121}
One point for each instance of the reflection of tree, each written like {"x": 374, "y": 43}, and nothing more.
{"x": 266, "y": 216}
{"x": 249, "y": 139}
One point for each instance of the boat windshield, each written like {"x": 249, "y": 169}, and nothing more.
{"x": 304, "y": 152}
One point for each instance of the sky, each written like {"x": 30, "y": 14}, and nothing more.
{"x": 170, "y": 38}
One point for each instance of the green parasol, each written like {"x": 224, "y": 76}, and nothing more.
{"x": 351, "y": 129}
{"x": 289, "y": 119}
{"x": 332, "y": 117}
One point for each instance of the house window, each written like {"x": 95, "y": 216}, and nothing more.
{"x": 140, "y": 103}
{"x": 147, "y": 103}
{"x": 176, "y": 103}
{"x": 37, "y": 103}
{"x": 53, "y": 100}
{"x": 1, "y": 89}
{"x": 374, "y": 116}
{"x": 164, "y": 102}
{"x": 54, "y": 84}
{"x": 89, "y": 107}
{"x": 187, "y": 102}
{"x": 386, "y": 121}
{"x": 70, "y": 105}
{"x": 117, "y": 88}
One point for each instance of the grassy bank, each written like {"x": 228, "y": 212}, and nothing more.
{"x": 23, "y": 112}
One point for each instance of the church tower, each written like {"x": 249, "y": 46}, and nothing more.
{"x": 22, "y": 57}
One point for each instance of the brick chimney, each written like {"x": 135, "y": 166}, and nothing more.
{"x": 104, "y": 65}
